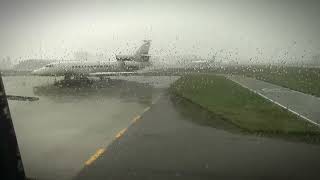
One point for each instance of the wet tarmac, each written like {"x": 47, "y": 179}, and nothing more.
{"x": 131, "y": 128}
{"x": 61, "y": 130}
{"x": 177, "y": 145}
{"x": 299, "y": 103}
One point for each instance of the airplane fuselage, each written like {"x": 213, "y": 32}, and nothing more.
{"x": 84, "y": 68}
{"x": 121, "y": 65}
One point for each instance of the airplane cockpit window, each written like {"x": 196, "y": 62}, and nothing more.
{"x": 49, "y": 65}
{"x": 170, "y": 89}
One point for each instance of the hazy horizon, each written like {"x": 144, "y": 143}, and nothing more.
{"x": 265, "y": 31}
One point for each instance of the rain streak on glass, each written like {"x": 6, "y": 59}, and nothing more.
{"x": 163, "y": 89}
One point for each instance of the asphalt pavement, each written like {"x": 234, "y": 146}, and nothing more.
{"x": 299, "y": 103}
{"x": 58, "y": 132}
{"x": 163, "y": 143}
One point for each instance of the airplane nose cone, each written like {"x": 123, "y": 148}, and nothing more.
{"x": 37, "y": 72}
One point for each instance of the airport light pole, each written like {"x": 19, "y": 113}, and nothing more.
{"x": 10, "y": 158}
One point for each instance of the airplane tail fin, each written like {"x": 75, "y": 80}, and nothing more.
{"x": 142, "y": 54}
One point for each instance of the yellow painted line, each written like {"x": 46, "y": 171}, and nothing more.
{"x": 102, "y": 150}
{"x": 146, "y": 109}
{"x": 118, "y": 135}
{"x": 121, "y": 133}
{"x": 134, "y": 120}
{"x": 95, "y": 156}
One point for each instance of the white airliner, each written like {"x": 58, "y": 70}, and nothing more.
{"x": 124, "y": 65}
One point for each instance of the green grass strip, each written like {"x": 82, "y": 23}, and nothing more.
{"x": 240, "y": 106}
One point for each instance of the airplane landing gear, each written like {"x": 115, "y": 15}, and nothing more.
{"x": 67, "y": 77}
{"x": 104, "y": 78}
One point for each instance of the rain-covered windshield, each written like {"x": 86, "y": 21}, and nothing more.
{"x": 175, "y": 89}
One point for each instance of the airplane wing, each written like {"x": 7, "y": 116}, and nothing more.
{"x": 113, "y": 73}
{"x": 22, "y": 98}
{"x": 140, "y": 72}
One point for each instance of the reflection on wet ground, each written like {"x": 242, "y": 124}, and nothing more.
{"x": 198, "y": 115}
{"x": 165, "y": 144}
{"x": 60, "y": 131}
{"x": 113, "y": 88}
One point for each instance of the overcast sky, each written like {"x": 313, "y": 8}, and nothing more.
{"x": 263, "y": 29}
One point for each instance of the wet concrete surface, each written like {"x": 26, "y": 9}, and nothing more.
{"x": 61, "y": 130}
{"x": 58, "y": 133}
{"x": 166, "y": 143}
{"x": 303, "y": 104}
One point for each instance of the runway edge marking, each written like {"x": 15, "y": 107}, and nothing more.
{"x": 275, "y": 102}
{"x": 95, "y": 156}
{"x": 100, "y": 151}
